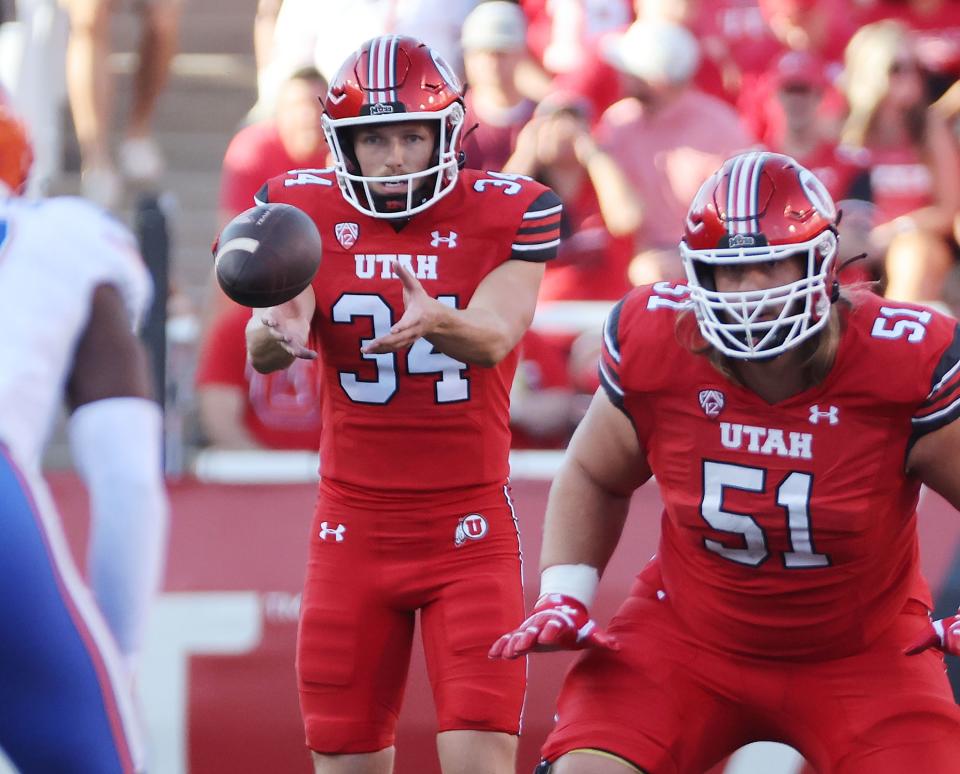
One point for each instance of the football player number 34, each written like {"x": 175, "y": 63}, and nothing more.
{"x": 451, "y": 387}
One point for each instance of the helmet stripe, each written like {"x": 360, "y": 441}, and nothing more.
{"x": 754, "y": 224}
{"x": 743, "y": 193}
{"x": 733, "y": 195}
{"x": 382, "y": 50}
{"x": 371, "y": 83}
{"x": 394, "y": 46}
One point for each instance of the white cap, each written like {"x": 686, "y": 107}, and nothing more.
{"x": 657, "y": 51}
{"x": 496, "y": 25}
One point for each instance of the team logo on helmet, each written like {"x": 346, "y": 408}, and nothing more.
{"x": 444, "y": 69}
{"x": 471, "y": 527}
{"x": 347, "y": 234}
{"x": 711, "y": 401}
{"x": 817, "y": 193}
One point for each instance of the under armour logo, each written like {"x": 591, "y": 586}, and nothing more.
{"x": 450, "y": 240}
{"x": 471, "y": 527}
{"x": 337, "y": 533}
{"x": 832, "y": 415}
{"x": 711, "y": 401}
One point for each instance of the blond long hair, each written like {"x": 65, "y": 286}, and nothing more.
{"x": 868, "y": 58}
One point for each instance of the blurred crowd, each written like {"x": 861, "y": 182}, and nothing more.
{"x": 623, "y": 108}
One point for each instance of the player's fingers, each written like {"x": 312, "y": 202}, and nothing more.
{"x": 298, "y": 350}
{"x": 389, "y": 343}
{"x": 377, "y": 346}
{"x": 550, "y": 632}
{"x": 496, "y": 650}
{"x": 406, "y": 277}
{"x": 520, "y": 643}
{"x": 405, "y": 323}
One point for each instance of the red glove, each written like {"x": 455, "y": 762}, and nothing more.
{"x": 944, "y": 635}
{"x": 557, "y": 622}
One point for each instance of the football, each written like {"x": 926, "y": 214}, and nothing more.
{"x": 267, "y": 255}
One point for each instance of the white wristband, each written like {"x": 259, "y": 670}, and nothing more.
{"x": 579, "y": 581}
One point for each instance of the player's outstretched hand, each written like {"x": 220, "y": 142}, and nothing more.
{"x": 420, "y": 313}
{"x": 557, "y": 622}
{"x": 943, "y": 635}
{"x": 288, "y": 328}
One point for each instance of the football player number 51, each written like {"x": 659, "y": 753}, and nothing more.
{"x": 792, "y": 494}
{"x": 451, "y": 387}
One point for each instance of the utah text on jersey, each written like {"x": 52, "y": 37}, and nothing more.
{"x": 380, "y": 265}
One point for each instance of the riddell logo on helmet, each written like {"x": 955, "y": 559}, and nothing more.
{"x": 728, "y": 241}
{"x": 381, "y": 108}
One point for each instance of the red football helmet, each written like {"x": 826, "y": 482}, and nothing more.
{"x": 388, "y": 79}
{"x": 761, "y": 207}
{"x": 16, "y": 151}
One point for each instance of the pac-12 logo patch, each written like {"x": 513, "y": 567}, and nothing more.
{"x": 711, "y": 401}
{"x": 347, "y": 234}
{"x": 471, "y": 527}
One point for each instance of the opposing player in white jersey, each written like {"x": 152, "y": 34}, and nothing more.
{"x": 72, "y": 286}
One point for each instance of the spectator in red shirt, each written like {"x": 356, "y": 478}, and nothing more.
{"x": 810, "y": 26}
{"x": 292, "y": 139}
{"x": 494, "y": 45}
{"x": 798, "y": 83}
{"x": 242, "y": 409}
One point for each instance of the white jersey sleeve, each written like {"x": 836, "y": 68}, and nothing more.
{"x": 53, "y": 255}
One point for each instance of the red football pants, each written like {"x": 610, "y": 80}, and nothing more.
{"x": 368, "y": 573}
{"x": 669, "y": 704}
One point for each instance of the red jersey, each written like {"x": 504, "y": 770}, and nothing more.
{"x": 900, "y": 181}
{"x": 789, "y": 529}
{"x": 840, "y": 168}
{"x": 414, "y": 422}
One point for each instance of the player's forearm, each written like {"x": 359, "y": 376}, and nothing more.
{"x": 474, "y": 335}
{"x": 265, "y": 352}
{"x": 584, "y": 520}
{"x": 117, "y": 446}
{"x": 619, "y": 202}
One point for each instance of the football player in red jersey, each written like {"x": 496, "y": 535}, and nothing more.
{"x": 790, "y": 425}
{"x": 429, "y": 279}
